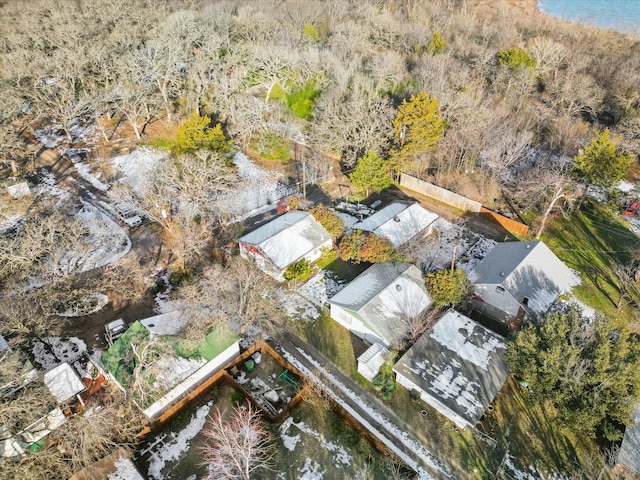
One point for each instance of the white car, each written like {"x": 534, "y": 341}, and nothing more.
{"x": 114, "y": 330}
{"x": 128, "y": 214}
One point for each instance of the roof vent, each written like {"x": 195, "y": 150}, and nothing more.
{"x": 396, "y": 219}
{"x": 502, "y": 274}
{"x": 398, "y": 287}
{"x": 528, "y": 245}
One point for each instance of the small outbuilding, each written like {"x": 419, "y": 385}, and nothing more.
{"x": 371, "y": 360}
{"x": 285, "y": 240}
{"x": 399, "y": 222}
{"x": 63, "y": 382}
{"x": 457, "y": 368}
{"x": 376, "y": 305}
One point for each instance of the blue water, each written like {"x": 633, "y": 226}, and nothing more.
{"x": 619, "y": 15}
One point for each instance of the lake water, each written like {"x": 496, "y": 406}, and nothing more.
{"x": 618, "y": 15}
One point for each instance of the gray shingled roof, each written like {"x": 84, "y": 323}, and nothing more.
{"x": 526, "y": 269}
{"x": 382, "y": 294}
{"x": 287, "y": 238}
{"x": 459, "y": 363}
{"x": 630, "y": 449}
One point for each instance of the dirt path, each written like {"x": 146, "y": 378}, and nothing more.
{"x": 382, "y": 422}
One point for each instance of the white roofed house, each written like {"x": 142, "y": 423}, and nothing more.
{"x": 376, "y": 304}
{"x": 457, "y": 368}
{"x": 285, "y": 240}
{"x": 399, "y": 222}
{"x": 519, "y": 279}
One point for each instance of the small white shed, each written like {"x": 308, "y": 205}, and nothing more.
{"x": 369, "y": 362}
{"x": 63, "y": 382}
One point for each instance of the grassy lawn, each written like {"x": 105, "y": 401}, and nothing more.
{"x": 594, "y": 241}
{"x": 345, "y": 271}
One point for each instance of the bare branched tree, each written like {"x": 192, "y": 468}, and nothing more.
{"x": 237, "y": 444}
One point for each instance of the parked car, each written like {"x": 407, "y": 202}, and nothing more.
{"x": 128, "y": 214}
{"x": 114, "y": 330}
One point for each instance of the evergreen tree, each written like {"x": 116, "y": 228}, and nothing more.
{"x": 601, "y": 163}
{"x": 587, "y": 369}
{"x": 516, "y": 58}
{"x": 417, "y": 127}
{"x": 196, "y": 134}
{"x": 437, "y": 44}
{"x": 371, "y": 174}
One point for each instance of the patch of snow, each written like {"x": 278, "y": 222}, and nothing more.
{"x": 625, "y": 186}
{"x": 289, "y": 442}
{"x": 125, "y": 470}
{"x": 435, "y": 251}
{"x": 324, "y": 285}
{"x": 86, "y": 305}
{"x": 108, "y": 242}
{"x": 311, "y": 471}
{"x": 50, "y": 136}
{"x": 84, "y": 170}
{"x": 178, "y": 443}
{"x": 295, "y": 305}
{"x": 49, "y": 352}
{"x": 258, "y": 187}
{"x": 172, "y": 370}
{"x": 139, "y": 166}
{"x": 341, "y": 457}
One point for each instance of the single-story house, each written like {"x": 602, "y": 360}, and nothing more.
{"x": 375, "y": 306}
{"x": 285, "y": 240}
{"x": 517, "y": 279}
{"x": 629, "y": 456}
{"x": 399, "y": 222}
{"x": 457, "y": 368}
{"x": 371, "y": 360}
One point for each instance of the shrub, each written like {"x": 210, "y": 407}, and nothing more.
{"x": 447, "y": 287}
{"x": 516, "y": 58}
{"x": 361, "y": 246}
{"x": 437, "y": 44}
{"x": 329, "y": 220}
{"x": 299, "y": 270}
{"x": 310, "y": 33}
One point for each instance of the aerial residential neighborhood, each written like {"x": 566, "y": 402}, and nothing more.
{"x": 318, "y": 239}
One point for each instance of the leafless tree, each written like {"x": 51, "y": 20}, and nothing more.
{"x": 418, "y": 324}
{"x": 317, "y": 393}
{"x": 237, "y": 444}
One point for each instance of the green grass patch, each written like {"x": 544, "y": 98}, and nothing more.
{"x": 343, "y": 270}
{"x": 593, "y": 241}
{"x": 271, "y": 146}
{"x": 161, "y": 143}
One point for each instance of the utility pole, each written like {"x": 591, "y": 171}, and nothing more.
{"x": 453, "y": 258}
{"x": 304, "y": 178}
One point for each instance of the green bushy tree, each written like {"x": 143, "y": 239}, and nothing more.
{"x": 372, "y": 173}
{"x": 417, "y": 127}
{"x": 298, "y": 270}
{"x": 516, "y": 58}
{"x": 196, "y": 134}
{"x": 447, "y": 287}
{"x": 302, "y": 100}
{"x": 601, "y": 163}
{"x": 587, "y": 368}
{"x": 360, "y": 246}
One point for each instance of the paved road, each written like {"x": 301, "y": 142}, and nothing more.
{"x": 382, "y": 422}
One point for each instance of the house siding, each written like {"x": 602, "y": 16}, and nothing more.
{"x": 355, "y": 325}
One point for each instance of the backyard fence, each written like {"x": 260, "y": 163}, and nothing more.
{"x": 463, "y": 203}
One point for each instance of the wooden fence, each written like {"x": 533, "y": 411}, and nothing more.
{"x": 441, "y": 194}
{"x": 508, "y": 224}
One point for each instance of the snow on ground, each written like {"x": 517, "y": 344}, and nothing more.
{"x": 49, "y": 352}
{"x": 258, "y": 187}
{"x": 125, "y": 470}
{"x": 86, "y": 305}
{"x": 296, "y": 306}
{"x": 53, "y": 136}
{"x": 172, "y": 370}
{"x": 177, "y": 443}
{"x": 138, "y": 166}
{"x": 339, "y": 453}
{"x": 436, "y": 250}
{"x": 108, "y": 241}
{"x": 84, "y": 170}
{"x": 311, "y": 471}
{"x": 625, "y": 186}
{"x": 402, "y": 436}
{"x": 532, "y": 474}
{"x": 319, "y": 289}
